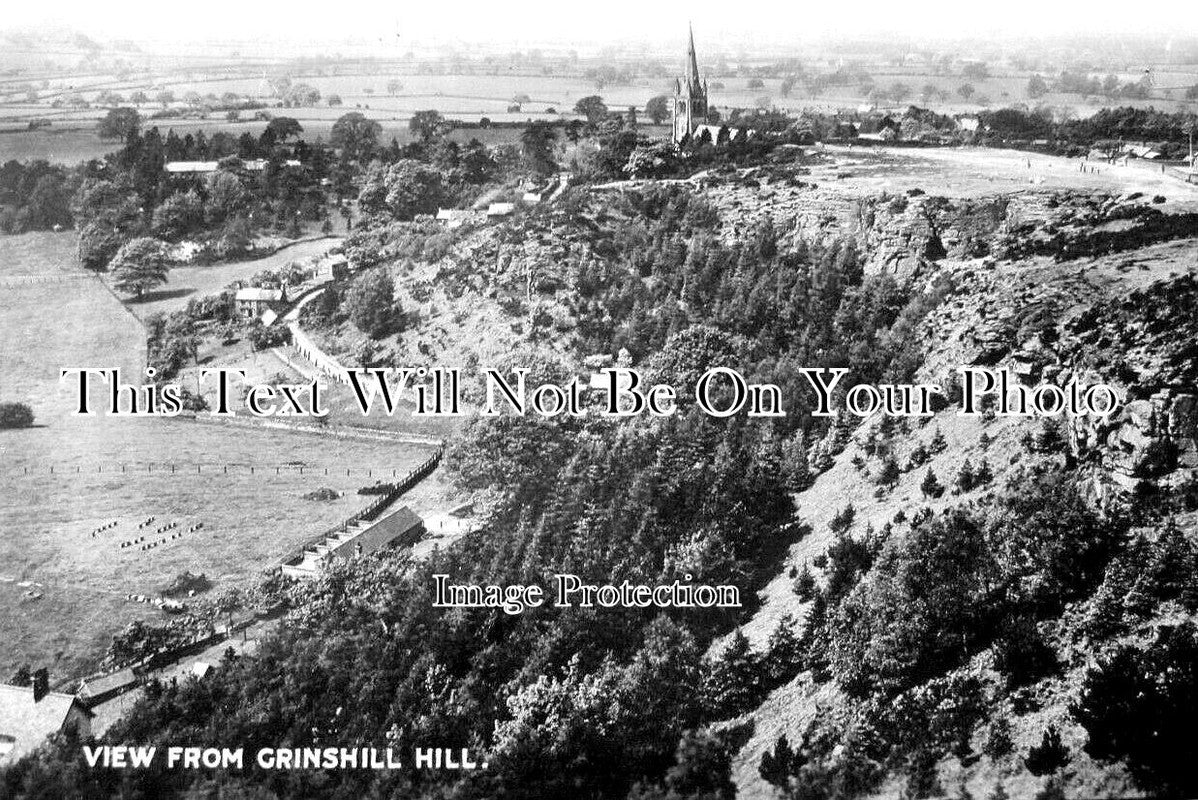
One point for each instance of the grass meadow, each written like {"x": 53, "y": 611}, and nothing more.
{"x": 62, "y": 591}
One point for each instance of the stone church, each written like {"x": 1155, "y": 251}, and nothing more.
{"x": 690, "y": 98}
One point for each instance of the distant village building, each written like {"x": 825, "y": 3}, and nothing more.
{"x": 205, "y": 167}
{"x": 29, "y": 714}
{"x": 968, "y": 125}
{"x": 252, "y": 301}
{"x": 452, "y": 217}
{"x": 501, "y": 209}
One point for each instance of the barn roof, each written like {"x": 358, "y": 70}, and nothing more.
{"x": 382, "y": 533}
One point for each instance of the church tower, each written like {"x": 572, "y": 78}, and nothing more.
{"x": 690, "y": 97}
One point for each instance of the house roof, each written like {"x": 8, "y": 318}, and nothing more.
{"x": 187, "y": 167}
{"x": 192, "y": 166}
{"x": 500, "y": 209}
{"x": 104, "y": 684}
{"x": 258, "y": 293}
{"x": 25, "y": 724}
{"x": 382, "y": 533}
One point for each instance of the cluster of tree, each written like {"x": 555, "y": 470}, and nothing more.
{"x": 1109, "y": 87}
{"x": 1168, "y": 131}
{"x": 35, "y": 196}
{"x": 789, "y": 303}
{"x": 131, "y": 196}
{"x": 901, "y": 615}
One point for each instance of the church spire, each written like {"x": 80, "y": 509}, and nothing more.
{"x": 692, "y": 60}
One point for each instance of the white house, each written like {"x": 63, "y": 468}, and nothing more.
{"x": 252, "y": 301}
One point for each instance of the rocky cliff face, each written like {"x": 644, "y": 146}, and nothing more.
{"x": 906, "y": 234}
{"x": 1021, "y": 302}
{"x": 1148, "y": 342}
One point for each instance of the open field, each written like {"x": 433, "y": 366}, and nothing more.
{"x": 63, "y": 479}
{"x": 979, "y": 171}
{"x": 250, "y": 519}
{"x": 70, "y": 145}
{"x": 39, "y": 253}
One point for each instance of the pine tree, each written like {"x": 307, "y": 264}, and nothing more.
{"x": 842, "y": 521}
{"x": 1053, "y": 790}
{"x": 735, "y": 683}
{"x": 889, "y": 473}
{"x": 919, "y": 456}
{"x": 930, "y": 486}
{"x": 938, "y": 444}
{"x": 784, "y": 654}
{"x": 804, "y": 585}
{"x": 776, "y": 767}
{"x": 1048, "y": 756}
{"x": 966, "y": 477}
{"x": 922, "y": 780}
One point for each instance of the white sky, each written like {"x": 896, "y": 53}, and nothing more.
{"x": 538, "y": 21}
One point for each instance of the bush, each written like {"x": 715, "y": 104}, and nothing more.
{"x": 15, "y": 415}
{"x": 263, "y": 338}
{"x": 372, "y": 306}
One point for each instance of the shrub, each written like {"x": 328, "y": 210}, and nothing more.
{"x": 15, "y": 415}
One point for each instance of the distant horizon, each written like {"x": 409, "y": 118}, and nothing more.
{"x": 538, "y": 23}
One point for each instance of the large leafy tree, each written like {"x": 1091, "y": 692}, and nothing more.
{"x": 280, "y": 129}
{"x": 140, "y": 265}
{"x": 592, "y": 107}
{"x": 372, "y": 306}
{"x": 658, "y": 109}
{"x": 403, "y": 189}
{"x": 179, "y": 215}
{"x": 355, "y": 135}
{"x": 536, "y": 144}
{"x": 118, "y": 123}
{"x": 426, "y": 125}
